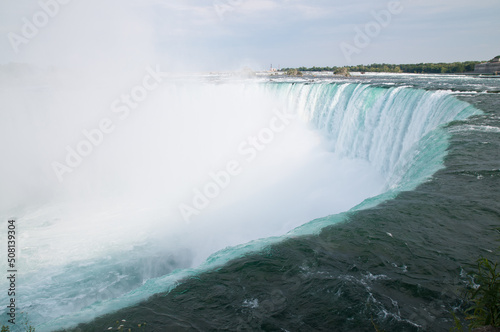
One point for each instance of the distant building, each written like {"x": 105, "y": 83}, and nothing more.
{"x": 490, "y": 67}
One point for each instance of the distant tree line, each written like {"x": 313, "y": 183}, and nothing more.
{"x": 419, "y": 68}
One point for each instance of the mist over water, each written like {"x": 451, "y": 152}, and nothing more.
{"x": 274, "y": 157}
{"x": 114, "y": 222}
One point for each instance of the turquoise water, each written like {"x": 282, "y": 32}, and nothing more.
{"x": 396, "y": 258}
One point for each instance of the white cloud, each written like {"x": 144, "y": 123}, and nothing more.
{"x": 135, "y": 31}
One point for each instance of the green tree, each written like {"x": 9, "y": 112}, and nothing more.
{"x": 485, "y": 295}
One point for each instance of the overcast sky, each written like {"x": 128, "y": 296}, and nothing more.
{"x": 229, "y": 34}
